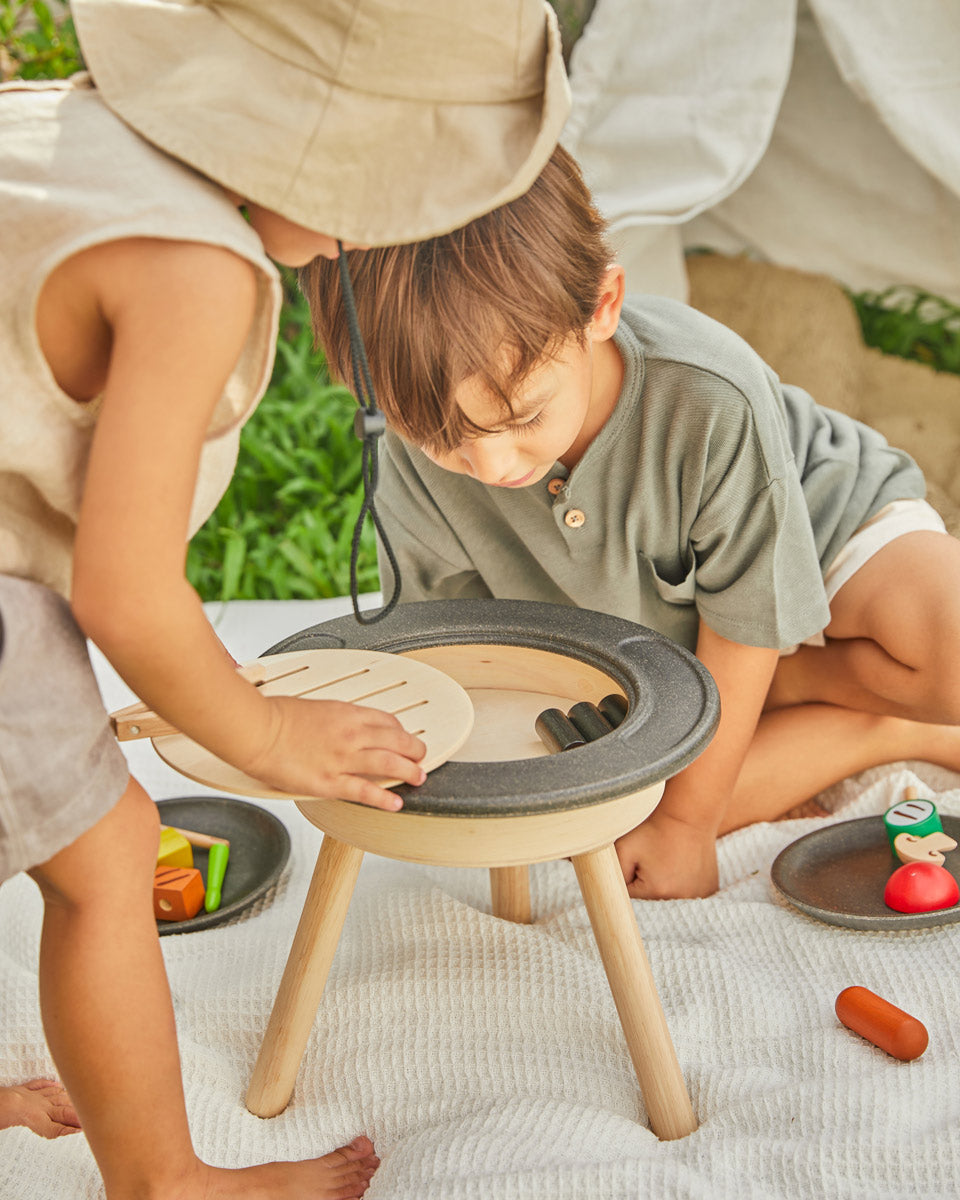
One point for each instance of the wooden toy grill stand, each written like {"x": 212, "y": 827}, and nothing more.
{"x": 505, "y": 807}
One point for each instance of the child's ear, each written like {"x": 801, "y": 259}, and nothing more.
{"x": 606, "y": 316}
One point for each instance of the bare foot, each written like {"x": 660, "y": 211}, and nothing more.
{"x": 342, "y": 1174}
{"x": 42, "y": 1105}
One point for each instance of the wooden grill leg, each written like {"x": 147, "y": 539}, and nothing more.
{"x": 304, "y": 977}
{"x": 635, "y": 993}
{"x": 510, "y": 889}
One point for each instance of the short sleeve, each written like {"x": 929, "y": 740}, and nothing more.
{"x": 757, "y": 574}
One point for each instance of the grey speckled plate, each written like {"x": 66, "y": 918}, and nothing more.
{"x": 837, "y": 874}
{"x": 259, "y": 849}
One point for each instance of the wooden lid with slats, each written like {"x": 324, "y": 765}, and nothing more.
{"x": 427, "y": 703}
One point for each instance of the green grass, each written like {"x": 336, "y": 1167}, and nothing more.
{"x": 284, "y": 527}
{"x": 36, "y": 42}
{"x": 912, "y": 324}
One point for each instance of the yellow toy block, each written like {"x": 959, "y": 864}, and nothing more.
{"x": 175, "y": 850}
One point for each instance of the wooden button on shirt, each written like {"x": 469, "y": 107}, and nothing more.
{"x": 574, "y": 518}
{"x": 555, "y": 485}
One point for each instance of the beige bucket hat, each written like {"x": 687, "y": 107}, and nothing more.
{"x": 374, "y": 121}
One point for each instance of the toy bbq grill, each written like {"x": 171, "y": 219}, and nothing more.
{"x": 516, "y": 658}
{"x": 501, "y": 801}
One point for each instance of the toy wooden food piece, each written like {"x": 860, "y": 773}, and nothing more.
{"x": 585, "y": 722}
{"x": 921, "y": 887}
{"x": 203, "y": 841}
{"x": 614, "y": 708}
{"x": 911, "y": 815}
{"x": 882, "y": 1023}
{"x": 177, "y": 893}
{"x": 588, "y": 720}
{"x": 557, "y": 731}
{"x": 929, "y": 849}
{"x": 174, "y": 849}
{"x": 216, "y": 869}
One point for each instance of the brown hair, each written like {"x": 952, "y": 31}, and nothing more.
{"x": 488, "y": 300}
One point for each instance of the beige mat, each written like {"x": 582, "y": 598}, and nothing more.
{"x": 807, "y": 330}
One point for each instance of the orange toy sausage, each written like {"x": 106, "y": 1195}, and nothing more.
{"x": 882, "y": 1023}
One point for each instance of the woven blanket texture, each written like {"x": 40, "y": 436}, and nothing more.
{"x": 486, "y": 1059}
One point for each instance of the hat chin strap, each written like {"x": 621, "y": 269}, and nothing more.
{"x": 368, "y": 424}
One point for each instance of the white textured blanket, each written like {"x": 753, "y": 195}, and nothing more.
{"x": 486, "y": 1060}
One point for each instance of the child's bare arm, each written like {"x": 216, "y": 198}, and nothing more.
{"x": 673, "y": 852}
{"x": 178, "y": 315}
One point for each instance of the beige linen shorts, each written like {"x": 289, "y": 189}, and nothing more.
{"x": 61, "y": 769}
{"x": 893, "y": 520}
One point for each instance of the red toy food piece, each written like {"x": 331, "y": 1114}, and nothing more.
{"x": 920, "y": 887}
{"x": 882, "y": 1023}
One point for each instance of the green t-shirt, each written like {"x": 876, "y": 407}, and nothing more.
{"x": 713, "y": 491}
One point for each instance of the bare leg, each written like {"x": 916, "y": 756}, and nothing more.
{"x": 109, "y": 1023}
{"x": 797, "y": 752}
{"x": 856, "y": 673}
{"x": 893, "y": 640}
{"x": 41, "y": 1105}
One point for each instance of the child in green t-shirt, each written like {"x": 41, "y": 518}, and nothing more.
{"x": 549, "y": 441}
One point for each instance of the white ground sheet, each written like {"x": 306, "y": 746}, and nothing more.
{"x": 486, "y": 1059}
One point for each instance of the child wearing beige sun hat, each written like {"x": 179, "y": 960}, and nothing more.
{"x": 138, "y": 310}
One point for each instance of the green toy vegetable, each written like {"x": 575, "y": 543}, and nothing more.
{"x": 219, "y": 856}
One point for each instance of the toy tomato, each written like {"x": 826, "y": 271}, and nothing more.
{"x": 920, "y": 887}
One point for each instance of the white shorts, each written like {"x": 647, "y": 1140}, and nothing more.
{"x": 896, "y": 518}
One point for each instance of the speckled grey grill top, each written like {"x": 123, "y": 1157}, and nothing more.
{"x": 673, "y": 703}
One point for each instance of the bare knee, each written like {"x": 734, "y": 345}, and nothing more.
{"x": 111, "y": 861}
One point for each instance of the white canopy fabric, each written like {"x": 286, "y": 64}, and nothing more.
{"x": 822, "y": 137}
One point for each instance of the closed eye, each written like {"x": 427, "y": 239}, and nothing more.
{"x": 530, "y": 425}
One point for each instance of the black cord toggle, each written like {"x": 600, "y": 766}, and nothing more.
{"x": 368, "y": 424}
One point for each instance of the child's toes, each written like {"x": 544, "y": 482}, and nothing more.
{"x": 65, "y": 1116}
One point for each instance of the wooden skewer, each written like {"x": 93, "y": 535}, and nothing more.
{"x": 139, "y": 721}
{"x": 202, "y": 841}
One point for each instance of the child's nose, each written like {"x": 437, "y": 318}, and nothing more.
{"x": 490, "y": 460}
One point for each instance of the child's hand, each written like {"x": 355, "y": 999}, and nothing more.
{"x": 667, "y": 859}
{"x": 325, "y": 748}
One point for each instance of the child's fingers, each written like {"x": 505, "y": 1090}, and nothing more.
{"x": 384, "y": 764}
{"x": 383, "y": 729}
{"x": 366, "y": 792}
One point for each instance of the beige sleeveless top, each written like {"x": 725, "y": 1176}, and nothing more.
{"x": 72, "y": 175}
